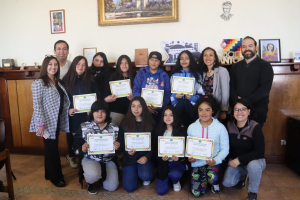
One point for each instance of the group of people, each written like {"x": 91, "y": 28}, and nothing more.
{"x": 240, "y": 145}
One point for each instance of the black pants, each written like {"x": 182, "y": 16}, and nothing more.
{"x": 52, "y": 160}
{"x": 70, "y": 140}
{"x": 261, "y": 118}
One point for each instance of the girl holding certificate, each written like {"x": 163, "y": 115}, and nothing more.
{"x": 207, "y": 127}
{"x": 97, "y": 166}
{"x": 101, "y": 71}
{"x": 77, "y": 81}
{"x": 50, "y": 115}
{"x": 153, "y": 77}
{"x": 186, "y": 66}
{"x": 169, "y": 168}
{"x": 215, "y": 79}
{"x": 247, "y": 149}
{"x": 136, "y": 164}
{"x": 119, "y": 106}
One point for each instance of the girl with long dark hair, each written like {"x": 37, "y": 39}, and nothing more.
{"x": 101, "y": 71}
{"x": 136, "y": 164}
{"x": 186, "y": 66}
{"x": 169, "y": 168}
{"x": 50, "y": 115}
{"x": 77, "y": 82}
{"x": 119, "y": 106}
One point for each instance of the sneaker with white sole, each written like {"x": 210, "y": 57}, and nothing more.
{"x": 252, "y": 196}
{"x": 71, "y": 161}
{"x": 216, "y": 189}
{"x": 146, "y": 182}
{"x": 92, "y": 188}
{"x": 177, "y": 187}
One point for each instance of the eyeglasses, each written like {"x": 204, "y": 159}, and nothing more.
{"x": 48, "y": 55}
{"x": 240, "y": 109}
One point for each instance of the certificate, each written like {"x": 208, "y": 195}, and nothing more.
{"x": 153, "y": 97}
{"x": 199, "y": 148}
{"x": 84, "y": 102}
{"x": 121, "y": 88}
{"x": 168, "y": 146}
{"x": 184, "y": 85}
{"x": 101, "y": 143}
{"x": 138, "y": 141}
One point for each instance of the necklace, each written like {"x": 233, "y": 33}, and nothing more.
{"x": 209, "y": 73}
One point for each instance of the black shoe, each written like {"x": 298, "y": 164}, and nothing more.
{"x": 92, "y": 189}
{"x": 252, "y": 196}
{"x": 242, "y": 183}
{"x": 60, "y": 184}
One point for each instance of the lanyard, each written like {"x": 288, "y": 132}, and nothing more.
{"x": 206, "y": 133}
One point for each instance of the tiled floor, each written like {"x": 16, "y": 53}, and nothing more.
{"x": 278, "y": 182}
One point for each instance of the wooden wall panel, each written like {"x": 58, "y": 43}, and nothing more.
{"x": 25, "y": 111}
{"x": 14, "y": 112}
{"x": 284, "y": 102}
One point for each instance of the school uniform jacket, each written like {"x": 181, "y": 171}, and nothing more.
{"x": 46, "y": 102}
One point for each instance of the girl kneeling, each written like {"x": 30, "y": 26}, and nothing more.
{"x": 169, "y": 168}
{"x": 207, "y": 127}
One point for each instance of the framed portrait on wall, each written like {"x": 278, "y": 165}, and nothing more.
{"x": 57, "y": 21}
{"x": 270, "y": 50}
{"x": 89, "y": 53}
{"x": 122, "y": 12}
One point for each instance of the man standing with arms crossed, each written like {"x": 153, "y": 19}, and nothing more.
{"x": 252, "y": 79}
{"x": 61, "y": 50}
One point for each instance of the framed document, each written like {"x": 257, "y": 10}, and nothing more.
{"x": 84, "y": 102}
{"x": 101, "y": 143}
{"x": 121, "y": 88}
{"x": 168, "y": 146}
{"x": 153, "y": 97}
{"x": 138, "y": 141}
{"x": 89, "y": 54}
{"x": 184, "y": 85}
{"x": 199, "y": 148}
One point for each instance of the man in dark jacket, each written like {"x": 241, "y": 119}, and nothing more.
{"x": 252, "y": 79}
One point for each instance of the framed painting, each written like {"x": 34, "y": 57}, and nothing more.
{"x": 270, "y": 50}
{"x": 123, "y": 12}
{"x": 57, "y": 21}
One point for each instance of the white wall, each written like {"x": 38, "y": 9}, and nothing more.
{"x": 25, "y": 27}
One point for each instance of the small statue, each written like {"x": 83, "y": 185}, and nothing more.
{"x": 36, "y": 65}
{"x": 23, "y": 66}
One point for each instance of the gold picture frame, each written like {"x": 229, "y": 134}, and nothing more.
{"x": 57, "y": 21}
{"x": 136, "y": 12}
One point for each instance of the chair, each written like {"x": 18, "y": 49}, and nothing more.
{"x": 2, "y": 142}
{"x": 4, "y": 156}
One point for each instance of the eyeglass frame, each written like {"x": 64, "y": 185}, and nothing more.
{"x": 240, "y": 109}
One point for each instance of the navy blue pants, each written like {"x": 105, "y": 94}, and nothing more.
{"x": 176, "y": 170}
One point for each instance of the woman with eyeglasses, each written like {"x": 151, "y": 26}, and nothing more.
{"x": 50, "y": 115}
{"x": 247, "y": 148}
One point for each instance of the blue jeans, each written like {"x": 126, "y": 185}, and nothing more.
{"x": 176, "y": 170}
{"x": 254, "y": 169}
{"x": 132, "y": 172}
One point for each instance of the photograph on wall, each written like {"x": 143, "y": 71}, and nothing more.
{"x": 57, "y": 21}
{"x": 174, "y": 47}
{"x": 121, "y": 12}
{"x": 270, "y": 50}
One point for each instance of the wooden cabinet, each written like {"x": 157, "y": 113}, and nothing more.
{"x": 16, "y": 101}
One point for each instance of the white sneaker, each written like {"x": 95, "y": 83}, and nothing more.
{"x": 216, "y": 189}
{"x": 177, "y": 187}
{"x": 146, "y": 182}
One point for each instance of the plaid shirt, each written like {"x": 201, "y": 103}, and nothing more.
{"x": 46, "y": 102}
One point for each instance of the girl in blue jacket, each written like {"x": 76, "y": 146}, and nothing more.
{"x": 186, "y": 66}
{"x": 207, "y": 171}
{"x": 153, "y": 77}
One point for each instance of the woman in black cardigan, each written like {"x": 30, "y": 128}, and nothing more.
{"x": 169, "y": 168}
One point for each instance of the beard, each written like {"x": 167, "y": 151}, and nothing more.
{"x": 248, "y": 56}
